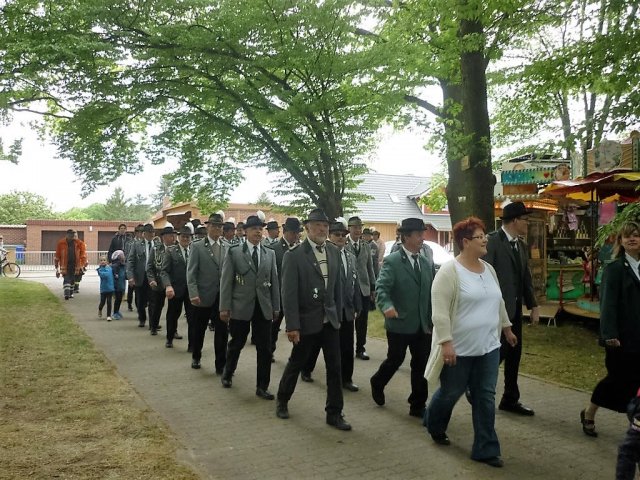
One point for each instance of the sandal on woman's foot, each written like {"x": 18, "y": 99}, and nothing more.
{"x": 588, "y": 426}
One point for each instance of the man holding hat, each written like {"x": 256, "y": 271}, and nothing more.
{"x": 290, "y": 238}
{"x": 311, "y": 297}
{"x": 351, "y": 299}
{"x": 203, "y": 282}
{"x": 273, "y": 232}
{"x": 157, "y": 297}
{"x": 174, "y": 278}
{"x": 70, "y": 259}
{"x": 403, "y": 294}
{"x": 137, "y": 263}
{"x": 507, "y": 253}
{"x": 367, "y": 280}
{"x": 250, "y": 300}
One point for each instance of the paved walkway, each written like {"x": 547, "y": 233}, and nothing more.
{"x": 230, "y": 433}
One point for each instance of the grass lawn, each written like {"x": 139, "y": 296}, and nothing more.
{"x": 568, "y": 355}
{"x": 65, "y": 411}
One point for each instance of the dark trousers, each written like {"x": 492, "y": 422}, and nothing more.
{"x": 68, "y": 281}
{"x": 361, "y": 324}
{"x": 130, "y": 291}
{"x": 105, "y": 298}
{"x": 275, "y": 330}
{"x": 117, "y": 301}
{"x": 174, "y": 310}
{"x": 511, "y": 357}
{"x": 261, "y": 333}
{"x": 156, "y": 304}
{"x": 346, "y": 352}
{"x": 201, "y": 318}
{"x": 419, "y": 345}
{"x": 329, "y": 341}
{"x": 143, "y": 292}
{"x": 628, "y": 456}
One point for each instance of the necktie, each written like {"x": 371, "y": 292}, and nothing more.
{"x": 216, "y": 252}
{"x": 147, "y": 248}
{"x": 254, "y": 256}
{"x": 319, "y": 248}
{"x": 416, "y": 265}
{"x": 356, "y": 247}
{"x": 344, "y": 262}
{"x": 516, "y": 254}
{"x": 186, "y": 255}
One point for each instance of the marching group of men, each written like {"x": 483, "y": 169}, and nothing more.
{"x": 235, "y": 282}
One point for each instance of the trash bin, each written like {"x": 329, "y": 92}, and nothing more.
{"x": 20, "y": 254}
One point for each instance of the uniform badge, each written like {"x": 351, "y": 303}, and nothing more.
{"x": 315, "y": 293}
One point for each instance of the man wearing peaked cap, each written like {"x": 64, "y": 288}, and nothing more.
{"x": 290, "y": 238}
{"x": 250, "y": 300}
{"x": 403, "y": 294}
{"x": 157, "y": 295}
{"x": 311, "y": 298}
{"x": 367, "y": 280}
{"x": 203, "y": 282}
{"x": 507, "y": 253}
{"x": 351, "y": 299}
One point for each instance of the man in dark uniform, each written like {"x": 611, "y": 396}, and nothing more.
{"x": 203, "y": 281}
{"x": 157, "y": 297}
{"x": 367, "y": 280}
{"x": 174, "y": 279}
{"x": 311, "y": 297}
{"x": 403, "y": 294}
{"x": 351, "y": 305}
{"x": 507, "y": 253}
{"x": 290, "y": 238}
{"x": 137, "y": 262}
{"x": 250, "y": 300}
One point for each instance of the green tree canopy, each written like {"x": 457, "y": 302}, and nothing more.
{"x": 16, "y": 207}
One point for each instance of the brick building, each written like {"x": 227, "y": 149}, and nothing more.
{"x": 13, "y": 235}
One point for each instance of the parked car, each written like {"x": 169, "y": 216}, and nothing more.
{"x": 440, "y": 254}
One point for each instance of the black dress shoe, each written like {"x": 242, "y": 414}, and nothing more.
{"x": 362, "y": 356}
{"x": 168, "y": 344}
{"x": 337, "y": 420}
{"x": 282, "y": 409}
{"x": 416, "y": 412}
{"x": 493, "y": 461}
{"x": 219, "y": 371}
{"x": 130, "y": 308}
{"x": 306, "y": 377}
{"x": 141, "y": 324}
{"x": 226, "y": 381}
{"x": 517, "y": 407}
{"x": 159, "y": 327}
{"x": 377, "y": 394}
{"x": 177, "y": 336}
{"x": 195, "y": 364}
{"x": 154, "y": 331}
{"x": 441, "y": 438}
{"x": 352, "y": 387}
{"x": 264, "y": 393}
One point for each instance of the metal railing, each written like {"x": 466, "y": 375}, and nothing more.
{"x": 44, "y": 261}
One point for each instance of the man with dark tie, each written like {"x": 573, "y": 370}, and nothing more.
{"x": 203, "y": 282}
{"x": 403, "y": 294}
{"x": 250, "y": 300}
{"x": 137, "y": 263}
{"x": 311, "y": 297}
{"x": 507, "y": 253}
{"x": 367, "y": 280}
{"x": 174, "y": 278}
{"x": 351, "y": 304}
{"x": 290, "y": 238}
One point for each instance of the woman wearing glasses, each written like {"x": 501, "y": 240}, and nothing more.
{"x": 465, "y": 353}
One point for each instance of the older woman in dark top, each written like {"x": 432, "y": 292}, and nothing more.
{"x": 619, "y": 328}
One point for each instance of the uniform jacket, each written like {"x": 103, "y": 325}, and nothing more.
{"x": 173, "y": 272}
{"x": 155, "y": 264}
{"x": 62, "y": 256}
{"x": 399, "y": 287}
{"x": 137, "y": 262}
{"x": 620, "y": 305}
{"x": 241, "y": 285}
{"x": 501, "y": 256}
{"x": 351, "y": 297}
{"x": 305, "y": 299}
{"x": 364, "y": 262}
{"x": 203, "y": 272}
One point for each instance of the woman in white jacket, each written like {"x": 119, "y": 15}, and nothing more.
{"x": 468, "y": 316}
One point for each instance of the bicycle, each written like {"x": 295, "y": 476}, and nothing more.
{"x": 9, "y": 269}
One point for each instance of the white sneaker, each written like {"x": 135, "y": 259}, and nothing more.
{"x": 108, "y": 319}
